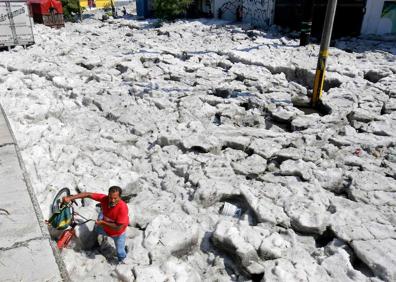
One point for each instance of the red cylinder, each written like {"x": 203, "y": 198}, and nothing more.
{"x": 65, "y": 238}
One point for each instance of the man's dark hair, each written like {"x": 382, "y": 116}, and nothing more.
{"x": 113, "y": 189}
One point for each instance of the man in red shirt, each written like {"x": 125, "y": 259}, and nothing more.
{"x": 113, "y": 219}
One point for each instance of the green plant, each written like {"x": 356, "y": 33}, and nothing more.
{"x": 170, "y": 9}
{"x": 70, "y": 9}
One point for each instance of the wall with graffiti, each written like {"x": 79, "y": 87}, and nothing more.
{"x": 226, "y": 9}
{"x": 256, "y": 12}
{"x": 380, "y": 17}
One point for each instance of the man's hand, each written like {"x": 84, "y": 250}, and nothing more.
{"x": 99, "y": 222}
{"x": 66, "y": 199}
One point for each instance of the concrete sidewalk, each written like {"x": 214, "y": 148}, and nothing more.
{"x": 26, "y": 251}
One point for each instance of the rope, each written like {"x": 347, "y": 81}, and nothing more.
{"x": 81, "y": 223}
{"x": 83, "y": 217}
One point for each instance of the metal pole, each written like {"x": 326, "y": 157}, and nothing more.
{"x": 306, "y": 23}
{"x": 323, "y": 53}
{"x": 113, "y": 10}
{"x": 79, "y": 11}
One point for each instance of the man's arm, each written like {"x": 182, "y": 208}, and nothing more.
{"x": 122, "y": 220}
{"x": 82, "y": 195}
{"x": 112, "y": 225}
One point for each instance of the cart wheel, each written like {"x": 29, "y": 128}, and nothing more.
{"x": 56, "y": 203}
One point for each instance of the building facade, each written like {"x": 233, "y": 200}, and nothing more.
{"x": 380, "y": 17}
{"x": 353, "y": 17}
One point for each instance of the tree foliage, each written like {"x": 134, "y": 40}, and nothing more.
{"x": 170, "y": 9}
{"x": 71, "y": 8}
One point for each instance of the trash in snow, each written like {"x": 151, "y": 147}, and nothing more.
{"x": 231, "y": 210}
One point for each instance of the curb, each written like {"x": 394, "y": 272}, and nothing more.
{"x": 37, "y": 210}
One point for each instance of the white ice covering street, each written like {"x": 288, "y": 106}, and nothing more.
{"x": 196, "y": 113}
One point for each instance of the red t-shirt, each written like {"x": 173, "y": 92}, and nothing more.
{"x": 117, "y": 214}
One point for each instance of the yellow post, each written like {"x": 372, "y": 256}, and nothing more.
{"x": 323, "y": 53}
{"x": 319, "y": 77}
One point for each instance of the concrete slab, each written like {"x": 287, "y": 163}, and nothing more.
{"x": 26, "y": 252}
{"x": 21, "y": 224}
{"x": 5, "y": 136}
{"x": 29, "y": 261}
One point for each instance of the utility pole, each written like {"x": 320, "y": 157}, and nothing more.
{"x": 323, "y": 53}
{"x": 306, "y": 24}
